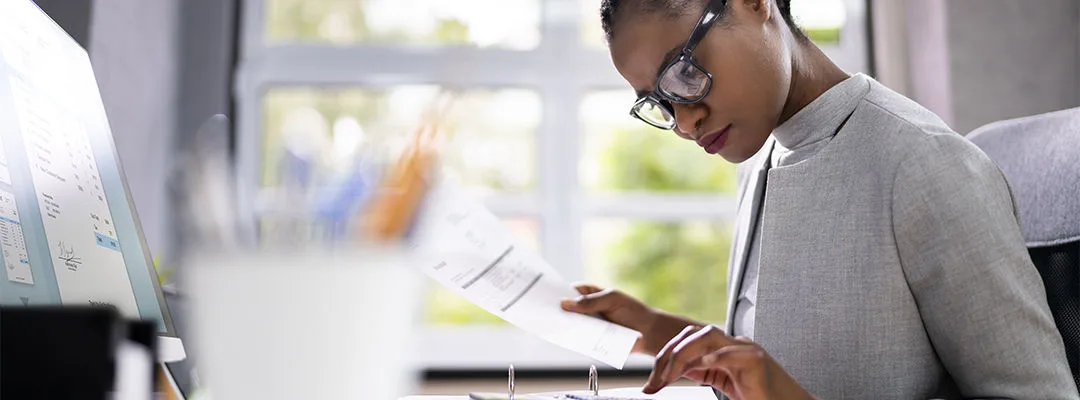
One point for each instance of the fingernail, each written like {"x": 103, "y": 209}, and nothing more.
{"x": 567, "y": 304}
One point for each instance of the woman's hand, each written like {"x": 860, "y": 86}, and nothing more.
{"x": 739, "y": 368}
{"x": 656, "y": 327}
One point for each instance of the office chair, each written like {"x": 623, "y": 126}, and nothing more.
{"x": 1040, "y": 156}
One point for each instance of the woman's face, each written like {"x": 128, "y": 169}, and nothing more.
{"x": 747, "y": 57}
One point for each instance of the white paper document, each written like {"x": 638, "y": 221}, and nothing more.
{"x": 467, "y": 249}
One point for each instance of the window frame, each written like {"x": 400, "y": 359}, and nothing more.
{"x": 558, "y": 202}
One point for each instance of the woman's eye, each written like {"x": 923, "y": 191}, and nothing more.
{"x": 687, "y": 71}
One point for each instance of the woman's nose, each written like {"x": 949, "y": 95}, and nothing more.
{"x": 688, "y": 119}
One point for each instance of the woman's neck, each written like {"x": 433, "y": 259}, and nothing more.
{"x": 812, "y": 73}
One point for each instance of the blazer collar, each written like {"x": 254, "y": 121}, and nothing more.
{"x": 820, "y": 119}
{"x": 749, "y": 209}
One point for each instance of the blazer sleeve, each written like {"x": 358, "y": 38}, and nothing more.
{"x": 980, "y": 297}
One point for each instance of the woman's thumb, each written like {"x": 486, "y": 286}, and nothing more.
{"x": 590, "y": 303}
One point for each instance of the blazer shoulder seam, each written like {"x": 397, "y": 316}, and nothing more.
{"x": 906, "y": 121}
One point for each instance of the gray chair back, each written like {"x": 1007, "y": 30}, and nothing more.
{"x": 1040, "y": 156}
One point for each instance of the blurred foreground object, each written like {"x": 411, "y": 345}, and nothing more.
{"x": 1040, "y": 156}
{"x": 320, "y": 324}
{"x": 398, "y": 199}
{"x": 53, "y": 352}
{"x": 204, "y": 188}
{"x": 392, "y": 210}
{"x": 294, "y": 312}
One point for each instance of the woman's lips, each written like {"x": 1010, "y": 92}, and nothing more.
{"x": 713, "y": 142}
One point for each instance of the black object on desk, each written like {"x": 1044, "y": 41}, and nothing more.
{"x": 54, "y": 352}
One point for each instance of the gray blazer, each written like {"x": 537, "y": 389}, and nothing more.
{"x": 892, "y": 266}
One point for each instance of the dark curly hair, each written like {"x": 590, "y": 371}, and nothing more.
{"x": 610, "y": 9}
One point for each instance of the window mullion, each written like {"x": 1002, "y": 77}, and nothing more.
{"x": 252, "y": 26}
{"x": 558, "y": 141}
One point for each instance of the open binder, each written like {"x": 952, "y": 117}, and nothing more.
{"x": 592, "y": 392}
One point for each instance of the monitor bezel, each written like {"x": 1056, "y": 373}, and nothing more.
{"x": 166, "y": 315}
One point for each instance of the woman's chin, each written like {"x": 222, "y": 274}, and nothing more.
{"x": 732, "y": 155}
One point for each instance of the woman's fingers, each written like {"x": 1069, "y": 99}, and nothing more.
{"x": 655, "y": 382}
{"x": 740, "y": 369}
{"x": 586, "y": 288}
{"x": 715, "y": 377}
{"x": 598, "y": 302}
{"x": 689, "y": 352}
{"x": 734, "y": 358}
{"x": 683, "y": 353}
{"x": 736, "y": 370}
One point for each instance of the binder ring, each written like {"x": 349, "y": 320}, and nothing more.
{"x": 594, "y": 384}
{"x": 510, "y": 383}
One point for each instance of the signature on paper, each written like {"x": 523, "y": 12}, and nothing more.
{"x": 67, "y": 255}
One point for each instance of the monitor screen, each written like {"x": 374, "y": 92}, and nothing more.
{"x": 68, "y": 229}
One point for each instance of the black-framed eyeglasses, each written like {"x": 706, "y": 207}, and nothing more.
{"x": 683, "y": 80}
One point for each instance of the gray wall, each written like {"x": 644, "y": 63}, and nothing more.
{"x": 207, "y": 43}
{"x": 72, "y": 15}
{"x": 1011, "y": 58}
{"x": 978, "y": 61}
{"x": 163, "y": 69}
{"x": 928, "y": 50}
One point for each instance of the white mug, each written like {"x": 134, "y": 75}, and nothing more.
{"x": 314, "y": 324}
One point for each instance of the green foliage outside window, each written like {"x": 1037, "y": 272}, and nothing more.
{"x": 445, "y": 307}
{"x": 823, "y": 36}
{"x": 344, "y": 21}
{"x": 681, "y": 266}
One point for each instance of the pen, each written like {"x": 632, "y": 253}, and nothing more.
{"x": 397, "y": 201}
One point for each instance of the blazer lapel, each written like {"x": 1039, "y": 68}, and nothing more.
{"x": 749, "y": 207}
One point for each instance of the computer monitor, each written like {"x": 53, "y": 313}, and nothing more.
{"x": 68, "y": 230}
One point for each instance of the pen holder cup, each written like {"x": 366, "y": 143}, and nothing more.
{"x": 306, "y": 324}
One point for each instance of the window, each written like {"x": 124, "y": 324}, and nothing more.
{"x": 541, "y": 134}
{"x": 494, "y": 129}
{"x": 838, "y": 26}
{"x": 821, "y": 20}
{"x": 513, "y": 24}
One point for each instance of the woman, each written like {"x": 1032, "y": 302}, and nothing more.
{"x": 877, "y": 253}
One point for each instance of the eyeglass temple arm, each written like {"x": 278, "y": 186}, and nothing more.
{"x": 711, "y": 14}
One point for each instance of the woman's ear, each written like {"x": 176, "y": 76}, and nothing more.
{"x": 759, "y": 10}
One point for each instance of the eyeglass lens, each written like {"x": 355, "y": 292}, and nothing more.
{"x": 684, "y": 81}
{"x": 655, "y": 114}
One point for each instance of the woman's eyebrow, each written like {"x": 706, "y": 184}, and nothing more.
{"x": 667, "y": 59}
{"x": 663, "y": 64}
